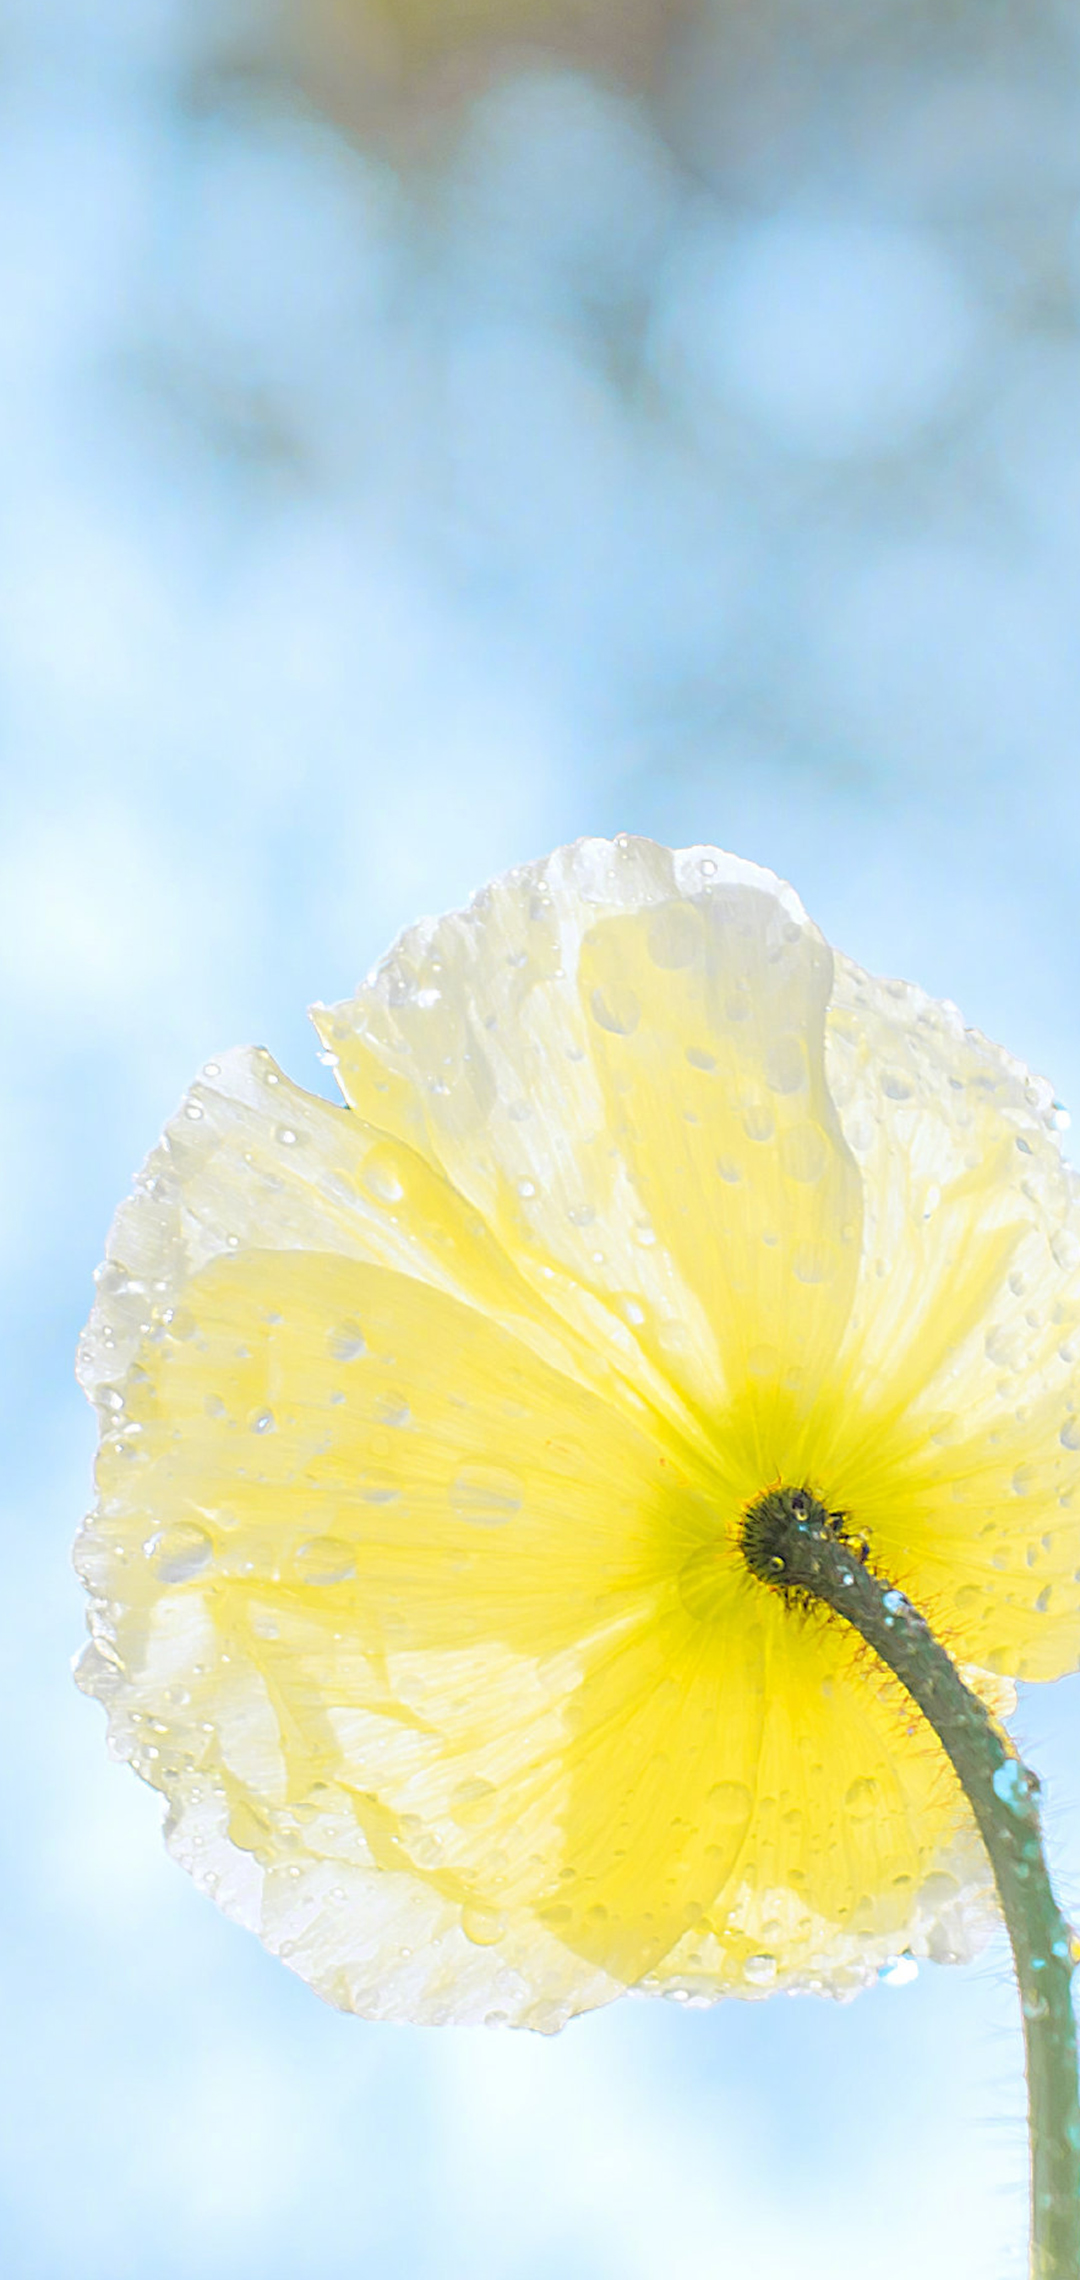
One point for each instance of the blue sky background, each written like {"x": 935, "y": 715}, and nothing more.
{"x": 707, "y": 467}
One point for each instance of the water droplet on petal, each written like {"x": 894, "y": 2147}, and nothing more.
{"x": 785, "y": 1065}
{"x": 729, "y": 1802}
{"x": 616, "y": 1009}
{"x": 860, "y": 1800}
{"x": 814, "y": 1263}
{"x": 486, "y": 1495}
{"x": 804, "y": 1153}
{"x": 483, "y": 1926}
{"x": 382, "y": 1182}
{"x": 393, "y": 1409}
{"x": 378, "y": 1487}
{"x": 325, "y": 1559}
{"x": 180, "y": 1552}
{"x": 759, "y": 1123}
{"x": 347, "y": 1342}
{"x": 760, "y": 1970}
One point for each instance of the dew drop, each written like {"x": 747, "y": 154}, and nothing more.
{"x": 483, "y": 1926}
{"x": 180, "y": 1552}
{"x": 471, "y": 1800}
{"x": 759, "y": 1123}
{"x": 383, "y": 1183}
{"x": 814, "y": 1263}
{"x": 760, "y": 1970}
{"x": 729, "y": 1802}
{"x": 347, "y": 1342}
{"x": 700, "y": 1060}
{"x": 263, "y": 1421}
{"x": 286, "y": 1136}
{"x": 616, "y": 1009}
{"x": 378, "y": 1488}
{"x": 486, "y": 1495}
{"x": 804, "y": 1153}
{"x": 895, "y": 1085}
{"x": 325, "y": 1559}
{"x": 861, "y": 1798}
{"x": 785, "y": 1065}
{"x": 393, "y": 1409}
{"x": 1070, "y": 1433}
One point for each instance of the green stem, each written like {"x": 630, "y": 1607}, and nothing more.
{"x": 792, "y": 1544}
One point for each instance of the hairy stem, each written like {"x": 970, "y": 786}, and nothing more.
{"x": 792, "y": 1544}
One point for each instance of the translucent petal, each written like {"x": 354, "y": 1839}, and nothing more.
{"x": 618, "y": 1056}
{"x": 428, "y": 1427}
{"x": 954, "y": 1433}
{"x": 420, "y": 1573}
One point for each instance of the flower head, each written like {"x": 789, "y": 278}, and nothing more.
{"x": 431, "y": 1425}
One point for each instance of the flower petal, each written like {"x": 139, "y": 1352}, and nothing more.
{"x": 357, "y": 1553}
{"x": 618, "y": 1056}
{"x": 953, "y": 1435}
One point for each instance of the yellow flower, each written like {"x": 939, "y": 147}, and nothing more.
{"x": 429, "y": 1425}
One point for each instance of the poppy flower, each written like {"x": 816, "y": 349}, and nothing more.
{"x": 430, "y": 1425}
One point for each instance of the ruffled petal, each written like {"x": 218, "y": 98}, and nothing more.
{"x": 429, "y": 1426}
{"x": 953, "y": 1431}
{"x": 617, "y": 1055}
{"x": 364, "y": 1567}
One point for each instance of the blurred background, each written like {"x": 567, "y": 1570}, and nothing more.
{"x": 432, "y": 429}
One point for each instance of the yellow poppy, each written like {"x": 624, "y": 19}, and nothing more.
{"x": 429, "y": 1424}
